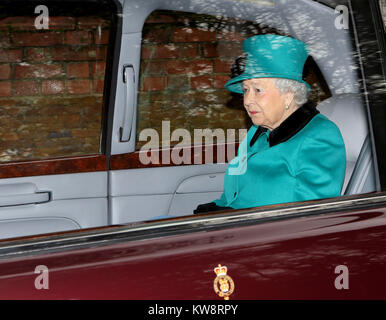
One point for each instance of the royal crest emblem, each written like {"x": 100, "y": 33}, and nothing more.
{"x": 223, "y": 285}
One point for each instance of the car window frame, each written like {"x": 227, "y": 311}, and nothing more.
{"x": 372, "y": 35}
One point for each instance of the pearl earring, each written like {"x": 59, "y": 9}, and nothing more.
{"x": 286, "y": 106}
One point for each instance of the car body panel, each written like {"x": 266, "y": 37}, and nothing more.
{"x": 76, "y": 200}
{"x": 270, "y": 253}
{"x": 285, "y": 259}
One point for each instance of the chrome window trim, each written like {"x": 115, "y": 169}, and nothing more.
{"x": 55, "y": 243}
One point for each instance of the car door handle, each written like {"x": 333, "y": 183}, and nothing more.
{"x": 15, "y": 194}
{"x": 129, "y": 81}
{"x": 22, "y": 199}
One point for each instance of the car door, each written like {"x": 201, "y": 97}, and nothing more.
{"x": 157, "y": 166}
{"x": 53, "y": 93}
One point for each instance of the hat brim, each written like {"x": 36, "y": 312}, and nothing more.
{"x": 235, "y": 84}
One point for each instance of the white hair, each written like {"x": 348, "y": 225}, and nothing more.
{"x": 299, "y": 89}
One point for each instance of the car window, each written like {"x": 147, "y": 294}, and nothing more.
{"x": 382, "y": 4}
{"x": 186, "y": 60}
{"x": 52, "y": 70}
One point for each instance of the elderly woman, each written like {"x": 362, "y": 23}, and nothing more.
{"x": 291, "y": 152}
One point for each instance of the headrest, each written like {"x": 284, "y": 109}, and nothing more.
{"x": 348, "y": 112}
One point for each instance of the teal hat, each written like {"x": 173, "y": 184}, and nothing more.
{"x": 271, "y": 56}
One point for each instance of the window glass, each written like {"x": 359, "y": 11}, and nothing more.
{"x": 382, "y": 4}
{"x": 52, "y": 68}
{"x": 186, "y": 59}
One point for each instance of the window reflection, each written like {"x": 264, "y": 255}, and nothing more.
{"x": 186, "y": 59}
{"x": 51, "y": 81}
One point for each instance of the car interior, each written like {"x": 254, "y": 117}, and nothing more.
{"x": 93, "y": 199}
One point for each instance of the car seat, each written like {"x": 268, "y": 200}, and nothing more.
{"x": 348, "y": 113}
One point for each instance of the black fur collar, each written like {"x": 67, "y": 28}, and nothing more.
{"x": 290, "y": 126}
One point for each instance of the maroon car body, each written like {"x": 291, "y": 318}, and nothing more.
{"x": 288, "y": 251}
{"x": 290, "y": 258}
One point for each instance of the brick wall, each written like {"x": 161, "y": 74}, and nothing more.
{"x": 186, "y": 60}
{"x": 184, "y": 67}
{"x": 51, "y": 86}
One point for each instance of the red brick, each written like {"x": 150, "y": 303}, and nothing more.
{"x": 220, "y": 81}
{"x": 85, "y": 133}
{"x": 210, "y": 50}
{"x": 160, "y": 96}
{"x": 155, "y": 67}
{"x": 78, "y": 70}
{"x": 102, "y": 52}
{"x": 201, "y": 66}
{"x": 92, "y": 22}
{"x": 160, "y": 18}
{"x": 25, "y": 88}
{"x": 38, "y": 54}
{"x": 201, "y": 82}
{"x": 9, "y": 136}
{"x": 19, "y": 22}
{"x": 101, "y": 36}
{"x": 188, "y": 50}
{"x": 192, "y": 35}
{"x": 38, "y": 39}
{"x": 184, "y": 67}
{"x": 5, "y": 88}
{"x": 85, "y": 53}
{"x": 52, "y": 87}
{"x": 77, "y": 37}
{"x": 5, "y": 71}
{"x": 98, "y": 69}
{"x": 154, "y": 83}
{"x": 70, "y": 120}
{"x": 78, "y": 86}
{"x": 5, "y": 41}
{"x": 58, "y": 22}
{"x": 223, "y": 49}
{"x": 37, "y": 71}
{"x": 146, "y": 52}
{"x": 165, "y": 51}
{"x": 155, "y": 35}
{"x": 10, "y": 55}
{"x": 178, "y": 82}
{"x": 98, "y": 85}
{"x": 222, "y": 66}
{"x": 228, "y": 35}
{"x": 177, "y": 66}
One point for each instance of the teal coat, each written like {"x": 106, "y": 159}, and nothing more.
{"x": 303, "y": 159}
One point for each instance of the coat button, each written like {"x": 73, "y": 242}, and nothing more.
{"x": 235, "y": 194}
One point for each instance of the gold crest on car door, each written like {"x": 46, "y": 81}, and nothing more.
{"x": 223, "y": 285}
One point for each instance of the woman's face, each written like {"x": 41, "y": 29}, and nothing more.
{"x": 264, "y": 103}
